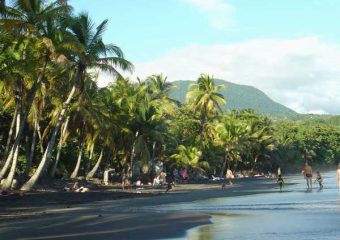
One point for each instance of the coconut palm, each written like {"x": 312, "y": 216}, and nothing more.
{"x": 29, "y": 22}
{"x": 204, "y": 97}
{"x": 93, "y": 54}
{"x": 189, "y": 157}
{"x": 232, "y": 135}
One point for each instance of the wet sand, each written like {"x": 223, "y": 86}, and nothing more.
{"x": 116, "y": 215}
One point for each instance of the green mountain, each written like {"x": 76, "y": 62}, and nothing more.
{"x": 240, "y": 97}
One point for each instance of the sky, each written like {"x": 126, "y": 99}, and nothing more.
{"x": 290, "y": 49}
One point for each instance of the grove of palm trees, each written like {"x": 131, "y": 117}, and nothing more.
{"x": 57, "y": 123}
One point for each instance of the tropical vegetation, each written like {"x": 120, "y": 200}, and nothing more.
{"x": 56, "y": 122}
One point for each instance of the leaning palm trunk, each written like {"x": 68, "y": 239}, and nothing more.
{"x": 60, "y": 145}
{"x": 15, "y": 144}
{"x": 8, "y": 182}
{"x": 10, "y": 135}
{"x": 96, "y": 166}
{"x": 23, "y": 114}
{"x": 48, "y": 151}
{"x": 80, "y": 155}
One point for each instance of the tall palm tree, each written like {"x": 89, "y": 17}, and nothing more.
{"x": 232, "y": 135}
{"x": 93, "y": 54}
{"x": 28, "y": 20}
{"x": 204, "y": 96}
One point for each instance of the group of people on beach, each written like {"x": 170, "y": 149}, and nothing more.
{"x": 307, "y": 172}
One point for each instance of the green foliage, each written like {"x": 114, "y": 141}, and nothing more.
{"x": 46, "y": 51}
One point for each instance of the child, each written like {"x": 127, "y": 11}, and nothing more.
{"x": 280, "y": 182}
{"x": 319, "y": 179}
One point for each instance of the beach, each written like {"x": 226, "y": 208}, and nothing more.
{"x": 250, "y": 207}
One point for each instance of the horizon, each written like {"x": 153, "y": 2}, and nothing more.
{"x": 289, "y": 50}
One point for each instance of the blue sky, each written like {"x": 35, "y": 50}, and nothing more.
{"x": 287, "y": 48}
{"x": 145, "y": 29}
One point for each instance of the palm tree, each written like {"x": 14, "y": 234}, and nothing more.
{"x": 261, "y": 139}
{"x": 189, "y": 157}
{"x": 31, "y": 21}
{"x": 93, "y": 54}
{"x": 232, "y": 135}
{"x": 204, "y": 97}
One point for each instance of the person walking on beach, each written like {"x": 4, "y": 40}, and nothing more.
{"x": 280, "y": 182}
{"x": 308, "y": 174}
{"x": 319, "y": 179}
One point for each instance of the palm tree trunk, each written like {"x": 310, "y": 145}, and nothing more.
{"x": 60, "y": 145}
{"x": 203, "y": 121}
{"x": 32, "y": 149}
{"x": 41, "y": 143}
{"x": 225, "y": 161}
{"x": 133, "y": 154}
{"x": 96, "y": 166}
{"x": 23, "y": 114}
{"x": 14, "y": 146}
{"x": 8, "y": 182}
{"x": 10, "y": 135}
{"x": 48, "y": 151}
{"x": 153, "y": 158}
{"x": 80, "y": 155}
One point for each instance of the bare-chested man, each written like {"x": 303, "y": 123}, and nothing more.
{"x": 308, "y": 174}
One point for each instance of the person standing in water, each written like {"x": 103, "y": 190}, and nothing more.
{"x": 338, "y": 177}
{"x": 280, "y": 182}
{"x": 308, "y": 174}
{"x": 319, "y": 179}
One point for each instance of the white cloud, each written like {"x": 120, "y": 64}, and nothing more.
{"x": 303, "y": 74}
{"x": 218, "y": 12}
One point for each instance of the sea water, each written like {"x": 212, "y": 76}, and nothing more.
{"x": 293, "y": 214}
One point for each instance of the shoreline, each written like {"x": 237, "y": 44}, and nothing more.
{"x": 132, "y": 216}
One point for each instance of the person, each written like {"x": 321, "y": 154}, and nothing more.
{"x": 278, "y": 171}
{"x": 308, "y": 174}
{"x": 175, "y": 174}
{"x": 170, "y": 182}
{"x": 319, "y": 179}
{"x": 156, "y": 180}
{"x": 280, "y": 182}
{"x": 184, "y": 174}
{"x": 229, "y": 175}
{"x": 77, "y": 188}
{"x": 124, "y": 178}
{"x": 338, "y": 176}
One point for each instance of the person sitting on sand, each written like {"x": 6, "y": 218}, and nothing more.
{"x": 156, "y": 180}
{"x": 77, "y": 188}
{"x": 280, "y": 182}
{"x": 319, "y": 179}
{"x": 308, "y": 174}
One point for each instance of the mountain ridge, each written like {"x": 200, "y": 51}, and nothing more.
{"x": 239, "y": 97}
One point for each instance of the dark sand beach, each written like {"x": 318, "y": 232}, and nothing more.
{"x": 115, "y": 214}
{"x": 250, "y": 207}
